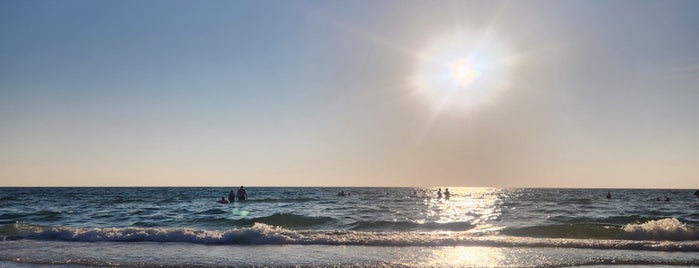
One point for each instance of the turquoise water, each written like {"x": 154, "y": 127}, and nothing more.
{"x": 401, "y": 227}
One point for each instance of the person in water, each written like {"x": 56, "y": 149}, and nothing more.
{"x": 223, "y": 201}
{"x": 242, "y": 194}
{"x": 447, "y": 194}
{"x": 341, "y": 193}
{"x": 609, "y": 195}
{"x": 231, "y": 196}
{"x": 439, "y": 193}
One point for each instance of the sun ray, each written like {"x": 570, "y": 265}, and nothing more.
{"x": 463, "y": 70}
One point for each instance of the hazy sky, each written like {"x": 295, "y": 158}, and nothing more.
{"x": 350, "y": 93}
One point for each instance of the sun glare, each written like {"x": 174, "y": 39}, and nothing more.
{"x": 461, "y": 71}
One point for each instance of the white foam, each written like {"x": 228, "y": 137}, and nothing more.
{"x": 663, "y": 229}
{"x": 263, "y": 234}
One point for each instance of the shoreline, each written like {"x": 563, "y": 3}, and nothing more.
{"x": 32, "y": 253}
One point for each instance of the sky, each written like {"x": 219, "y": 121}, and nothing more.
{"x": 600, "y": 94}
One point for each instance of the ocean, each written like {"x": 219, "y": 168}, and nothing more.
{"x": 368, "y": 227}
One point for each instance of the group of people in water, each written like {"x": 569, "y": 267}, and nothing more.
{"x": 232, "y": 196}
{"x": 243, "y": 195}
{"x": 447, "y": 194}
{"x": 667, "y": 199}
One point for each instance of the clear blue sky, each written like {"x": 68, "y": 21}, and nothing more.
{"x": 350, "y": 93}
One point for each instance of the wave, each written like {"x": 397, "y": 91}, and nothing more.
{"x": 286, "y": 220}
{"x": 665, "y": 229}
{"x": 612, "y": 220}
{"x": 10, "y": 198}
{"x": 277, "y": 200}
{"x": 579, "y": 231}
{"x": 410, "y": 226}
{"x": 212, "y": 211}
{"x": 263, "y": 234}
{"x": 657, "y": 230}
{"x": 215, "y": 218}
{"x": 576, "y": 201}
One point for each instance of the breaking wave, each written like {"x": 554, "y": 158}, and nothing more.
{"x": 663, "y": 229}
{"x": 655, "y": 230}
{"x": 263, "y": 234}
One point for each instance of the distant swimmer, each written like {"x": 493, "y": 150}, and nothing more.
{"x": 696, "y": 193}
{"x": 439, "y": 193}
{"x": 242, "y": 194}
{"x": 341, "y": 193}
{"x": 447, "y": 194}
{"x": 609, "y": 195}
{"x": 667, "y": 199}
{"x": 231, "y": 196}
{"x": 223, "y": 201}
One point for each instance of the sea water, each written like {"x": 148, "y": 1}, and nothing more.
{"x": 369, "y": 227}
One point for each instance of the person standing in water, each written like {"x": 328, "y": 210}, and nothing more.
{"x": 439, "y": 193}
{"x": 231, "y": 196}
{"x": 447, "y": 194}
{"x": 242, "y": 194}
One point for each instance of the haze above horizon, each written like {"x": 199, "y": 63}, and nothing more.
{"x": 582, "y": 94}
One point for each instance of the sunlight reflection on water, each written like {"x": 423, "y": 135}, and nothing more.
{"x": 476, "y": 206}
{"x": 465, "y": 257}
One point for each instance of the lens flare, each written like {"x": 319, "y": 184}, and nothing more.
{"x": 461, "y": 71}
{"x": 240, "y": 212}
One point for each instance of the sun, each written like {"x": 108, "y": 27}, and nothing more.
{"x": 461, "y": 71}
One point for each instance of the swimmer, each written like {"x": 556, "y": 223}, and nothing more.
{"x": 609, "y": 195}
{"x": 223, "y": 201}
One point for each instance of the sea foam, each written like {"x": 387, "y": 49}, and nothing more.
{"x": 263, "y": 234}
{"x": 663, "y": 229}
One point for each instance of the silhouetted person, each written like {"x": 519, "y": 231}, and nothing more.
{"x": 242, "y": 194}
{"x": 667, "y": 199}
{"x": 609, "y": 195}
{"x": 223, "y": 201}
{"x": 341, "y": 193}
{"x": 439, "y": 193}
{"x": 696, "y": 193}
{"x": 231, "y": 196}
{"x": 447, "y": 194}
